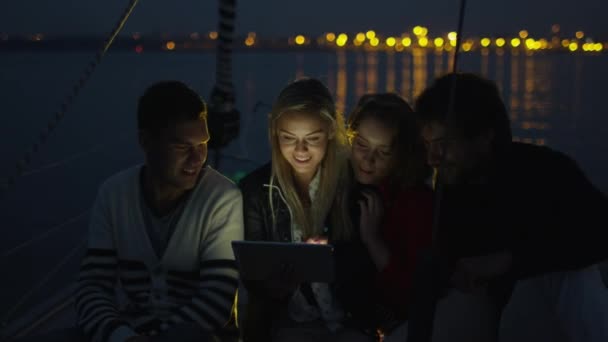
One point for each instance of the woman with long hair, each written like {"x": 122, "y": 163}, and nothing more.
{"x": 395, "y": 201}
{"x": 300, "y": 196}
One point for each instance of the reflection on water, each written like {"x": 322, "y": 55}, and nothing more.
{"x": 341, "y": 82}
{"x": 406, "y": 77}
{"x": 372, "y": 72}
{"x": 420, "y": 70}
{"x": 525, "y": 80}
{"x": 390, "y": 72}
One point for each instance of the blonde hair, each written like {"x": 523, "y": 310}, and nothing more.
{"x": 310, "y": 96}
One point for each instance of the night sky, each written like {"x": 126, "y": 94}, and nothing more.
{"x": 285, "y": 17}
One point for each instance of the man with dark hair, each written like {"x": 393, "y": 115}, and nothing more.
{"x": 163, "y": 230}
{"x": 509, "y": 210}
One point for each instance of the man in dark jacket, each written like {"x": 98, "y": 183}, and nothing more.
{"x": 508, "y": 211}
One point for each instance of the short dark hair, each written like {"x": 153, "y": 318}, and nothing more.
{"x": 477, "y": 105}
{"x": 168, "y": 102}
{"x": 393, "y": 111}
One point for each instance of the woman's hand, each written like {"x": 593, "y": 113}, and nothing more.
{"x": 371, "y": 216}
{"x": 317, "y": 240}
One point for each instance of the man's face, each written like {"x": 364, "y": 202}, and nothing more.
{"x": 177, "y": 155}
{"x": 456, "y": 158}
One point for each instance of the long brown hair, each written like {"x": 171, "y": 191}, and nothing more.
{"x": 310, "y": 96}
{"x": 393, "y": 111}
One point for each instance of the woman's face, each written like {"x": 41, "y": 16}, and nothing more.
{"x": 303, "y": 139}
{"x": 372, "y": 153}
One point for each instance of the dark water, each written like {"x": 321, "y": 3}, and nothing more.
{"x": 557, "y": 100}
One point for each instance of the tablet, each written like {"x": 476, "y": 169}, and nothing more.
{"x": 258, "y": 259}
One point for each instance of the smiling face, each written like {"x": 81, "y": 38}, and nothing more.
{"x": 302, "y": 139}
{"x": 372, "y": 153}
{"x": 177, "y": 154}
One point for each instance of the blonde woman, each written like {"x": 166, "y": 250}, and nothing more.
{"x": 298, "y": 197}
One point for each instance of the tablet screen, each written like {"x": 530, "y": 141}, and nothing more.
{"x": 258, "y": 259}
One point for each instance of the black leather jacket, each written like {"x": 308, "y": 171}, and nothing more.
{"x": 354, "y": 268}
{"x": 259, "y": 208}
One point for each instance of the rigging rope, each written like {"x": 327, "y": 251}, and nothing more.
{"x": 421, "y": 323}
{"x": 25, "y": 161}
{"x": 223, "y": 119}
{"x": 75, "y": 156}
{"x": 9, "y": 313}
{"x": 44, "y": 234}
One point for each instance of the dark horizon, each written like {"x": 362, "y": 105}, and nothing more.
{"x": 313, "y": 17}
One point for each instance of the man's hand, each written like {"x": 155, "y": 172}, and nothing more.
{"x": 472, "y": 274}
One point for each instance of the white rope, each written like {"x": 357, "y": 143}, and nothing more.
{"x": 44, "y": 234}
{"x": 8, "y": 315}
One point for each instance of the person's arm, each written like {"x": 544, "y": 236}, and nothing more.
{"x": 413, "y": 234}
{"x": 211, "y": 307}
{"x": 96, "y": 307}
{"x": 371, "y": 217}
{"x": 576, "y": 228}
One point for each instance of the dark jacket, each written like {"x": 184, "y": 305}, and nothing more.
{"x": 258, "y": 208}
{"x": 538, "y": 205}
{"x": 349, "y": 256}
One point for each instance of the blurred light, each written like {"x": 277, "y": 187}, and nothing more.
{"x": 515, "y": 42}
{"x": 417, "y": 30}
{"x": 423, "y": 41}
{"x": 537, "y": 45}
{"x": 330, "y": 36}
{"x": 391, "y": 41}
{"x": 213, "y": 35}
{"x": 452, "y": 36}
{"x": 170, "y": 45}
{"x": 300, "y": 39}
{"x": 485, "y": 42}
{"x": 357, "y": 42}
{"x": 399, "y": 48}
{"x": 370, "y": 34}
{"x": 424, "y": 31}
{"x": 194, "y": 36}
{"x": 565, "y": 43}
{"x": 586, "y": 47}
{"x": 467, "y": 46}
{"x": 139, "y": 49}
{"x": 374, "y": 41}
{"x": 360, "y": 36}
{"x": 500, "y": 42}
{"x": 530, "y": 43}
{"x": 555, "y": 28}
{"x": 523, "y": 34}
{"x": 342, "y": 39}
{"x": 544, "y": 43}
{"x": 406, "y": 41}
{"x": 599, "y": 47}
{"x": 580, "y": 34}
{"x": 573, "y": 46}
{"x": 438, "y": 41}
{"x": 250, "y": 41}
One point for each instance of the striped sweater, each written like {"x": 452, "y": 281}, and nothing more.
{"x": 195, "y": 280}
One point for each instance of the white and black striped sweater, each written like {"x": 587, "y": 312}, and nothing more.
{"x": 194, "y": 281}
